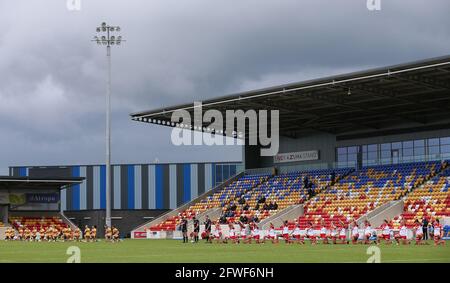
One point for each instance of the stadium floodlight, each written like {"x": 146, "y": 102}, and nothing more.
{"x": 108, "y": 40}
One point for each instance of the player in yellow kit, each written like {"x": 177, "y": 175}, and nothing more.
{"x": 67, "y": 233}
{"x": 77, "y": 234}
{"x": 115, "y": 234}
{"x": 94, "y": 233}
{"x": 108, "y": 233}
{"x": 33, "y": 233}
{"x": 9, "y": 234}
{"x": 49, "y": 234}
{"x": 27, "y": 234}
{"x": 87, "y": 233}
{"x": 41, "y": 234}
{"x": 56, "y": 233}
{"x": 21, "y": 233}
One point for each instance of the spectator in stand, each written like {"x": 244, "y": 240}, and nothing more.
{"x": 245, "y": 207}
{"x": 257, "y": 206}
{"x": 241, "y": 201}
{"x": 262, "y": 199}
{"x": 310, "y": 192}
{"x": 305, "y": 182}
{"x": 223, "y": 219}
{"x": 275, "y": 206}
{"x": 266, "y": 206}
{"x": 243, "y": 219}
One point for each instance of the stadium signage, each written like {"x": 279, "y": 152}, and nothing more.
{"x": 296, "y": 156}
{"x": 42, "y": 198}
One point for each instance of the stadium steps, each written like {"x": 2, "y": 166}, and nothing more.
{"x": 386, "y": 211}
{"x": 444, "y": 170}
{"x": 394, "y": 208}
{"x": 291, "y": 212}
{"x": 2, "y": 232}
{"x": 388, "y": 208}
{"x": 142, "y": 228}
{"x": 391, "y": 209}
{"x": 67, "y": 221}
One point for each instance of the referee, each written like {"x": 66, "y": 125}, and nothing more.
{"x": 196, "y": 228}
{"x": 208, "y": 229}
{"x": 184, "y": 224}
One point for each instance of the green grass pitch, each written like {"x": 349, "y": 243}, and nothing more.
{"x": 133, "y": 251}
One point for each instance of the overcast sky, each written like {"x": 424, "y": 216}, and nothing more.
{"x": 52, "y": 78}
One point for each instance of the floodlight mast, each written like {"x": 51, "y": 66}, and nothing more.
{"x": 108, "y": 40}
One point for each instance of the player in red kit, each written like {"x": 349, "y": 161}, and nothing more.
{"x": 386, "y": 232}
{"x": 438, "y": 232}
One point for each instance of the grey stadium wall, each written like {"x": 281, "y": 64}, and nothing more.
{"x": 134, "y": 186}
{"x": 327, "y": 145}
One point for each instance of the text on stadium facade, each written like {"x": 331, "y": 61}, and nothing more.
{"x": 296, "y": 156}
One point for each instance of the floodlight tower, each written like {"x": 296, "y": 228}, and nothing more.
{"x": 106, "y": 38}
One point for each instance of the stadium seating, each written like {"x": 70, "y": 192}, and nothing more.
{"x": 219, "y": 199}
{"x": 35, "y": 222}
{"x": 364, "y": 190}
{"x": 353, "y": 194}
{"x": 430, "y": 201}
{"x": 285, "y": 190}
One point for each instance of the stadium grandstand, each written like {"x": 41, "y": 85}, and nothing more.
{"x": 373, "y": 145}
{"x": 27, "y": 202}
{"x": 369, "y": 145}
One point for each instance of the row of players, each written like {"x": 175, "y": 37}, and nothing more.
{"x": 52, "y": 234}
{"x": 245, "y": 233}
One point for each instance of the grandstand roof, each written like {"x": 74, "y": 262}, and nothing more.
{"x": 8, "y": 182}
{"x": 411, "y": 96}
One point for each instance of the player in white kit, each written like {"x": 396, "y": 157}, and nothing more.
{"x": 386, "y": 232}
{"x": 342, "y": 233}
{"x": 402, "y": 235}
{"x": 232, "y": 234}
{"x": 438, "y": 233}
{"x": 297, "y": 234}
{"x": 419, "y": 232}
{"x": 355, "y": 233}
{"x": 217, "y": 234}
{"x": 285, "y": 234}
{"x": 271, "y": 235}
{"x": 256, "y": 233}
{"x": 367, "y": 232}
{"x": 324, "y": 233}
{"x": 311, "y": 234}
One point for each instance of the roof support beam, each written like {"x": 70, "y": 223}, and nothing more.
{"x": 426, "y": 82}
{"x": 397, "y": 96}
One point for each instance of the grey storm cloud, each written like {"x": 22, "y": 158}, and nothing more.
{"x": 52, "y": 82}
